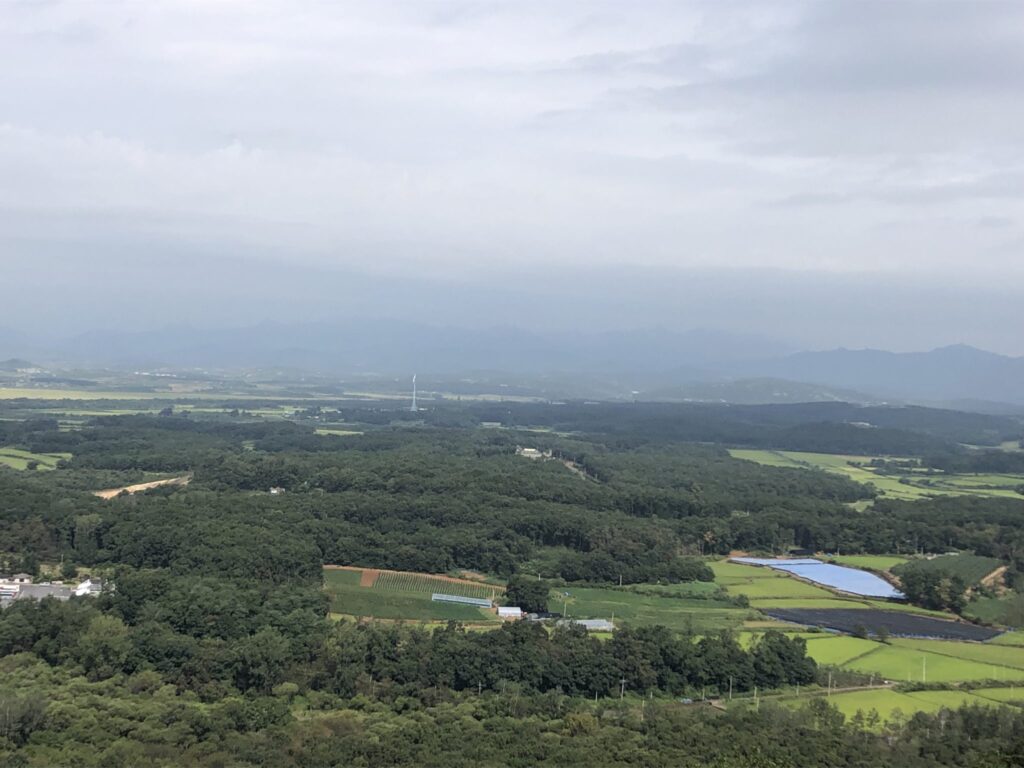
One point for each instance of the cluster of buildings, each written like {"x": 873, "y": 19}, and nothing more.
{"x": 21, "y": 587}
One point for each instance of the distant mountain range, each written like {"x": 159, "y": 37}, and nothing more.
{"x": 701, "y": 364}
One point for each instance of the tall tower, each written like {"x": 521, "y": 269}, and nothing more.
{"x": 414, "y": 408}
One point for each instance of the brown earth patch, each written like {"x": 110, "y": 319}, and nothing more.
{"x": 110, "y": 493}
{"x": 368, "y": 577}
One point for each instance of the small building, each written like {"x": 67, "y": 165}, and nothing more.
{"x": 276, "y": 490}
{"x": 591, "y": 625}
{"x": 532, "y": 453}
{"x": 91, "y": 586}
{"x": 21, "y": 578}
{"x": 509, "y": 613}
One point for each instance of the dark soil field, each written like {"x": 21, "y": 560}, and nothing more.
{"x": 897, "y": 623}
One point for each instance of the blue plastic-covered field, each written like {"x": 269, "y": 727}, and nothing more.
{"x": 850, "y": 580}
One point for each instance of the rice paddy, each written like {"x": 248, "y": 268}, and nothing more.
{"x": 906, "y": 664}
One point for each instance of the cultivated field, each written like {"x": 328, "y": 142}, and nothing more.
{"x": 907, "y": 485}
{"x": 836, "y": 650}
{"x": 680, "y": 613}
{"x": 349, "y": 597}
{"x": 397, "y": 595}
{"x": 902, "y": 664}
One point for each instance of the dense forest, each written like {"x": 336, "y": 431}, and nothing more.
{"x": 215, "y": 647}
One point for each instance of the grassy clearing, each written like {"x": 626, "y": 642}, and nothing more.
{"x": 767, "y": 458}
{"x": 685, "y": 589}
{"x": 903, "y": 664}
{"x": 15, "y": 458}
{"x": 337, "y": 432}
{"x": 869, "y": 562}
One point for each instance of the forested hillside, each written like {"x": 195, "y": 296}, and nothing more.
{"x": 218, "y": 623}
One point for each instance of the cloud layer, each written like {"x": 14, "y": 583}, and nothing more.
{"x": 484, "y": 139}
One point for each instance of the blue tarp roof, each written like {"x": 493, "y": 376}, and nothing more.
{"x": 852, "y": 580}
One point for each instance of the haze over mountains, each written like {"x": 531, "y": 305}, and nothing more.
{"x": 652, "y": 364}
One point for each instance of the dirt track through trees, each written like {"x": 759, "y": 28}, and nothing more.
{"x": 110, "y": 493}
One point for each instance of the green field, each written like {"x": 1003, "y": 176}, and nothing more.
{"x": 986, "y": 653}
{"x": 906, "y": 664}
{"x": 887, "y": 702}
{"x": 350, "y": 599}
{"x": 628, "y": 606}
{"x": 836, "y": 650}
{"x": 16, "y": 458}
{"x": 908, "y": 485}
{"x": 784, "y": 587}
{"x": 971, "y": 568}
{"x": 869, "y": 562}
{"x": 765, "y": 589}
{"x": 1008, "y": 638}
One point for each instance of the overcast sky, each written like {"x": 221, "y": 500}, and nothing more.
{"x": 832, "y": 144}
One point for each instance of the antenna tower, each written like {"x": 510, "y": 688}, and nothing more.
{"x": 414, "y": 408}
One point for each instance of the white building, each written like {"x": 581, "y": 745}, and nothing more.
{"x": 509, "y": 612}
{"x": 91, "y": 586}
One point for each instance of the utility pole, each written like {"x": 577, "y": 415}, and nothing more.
{"x": 622, "y": 688}
{"x": 730, "y": 687}
{"x": 830, "y": 685}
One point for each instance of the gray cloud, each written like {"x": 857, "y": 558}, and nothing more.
{"x": 867, "y": 141}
